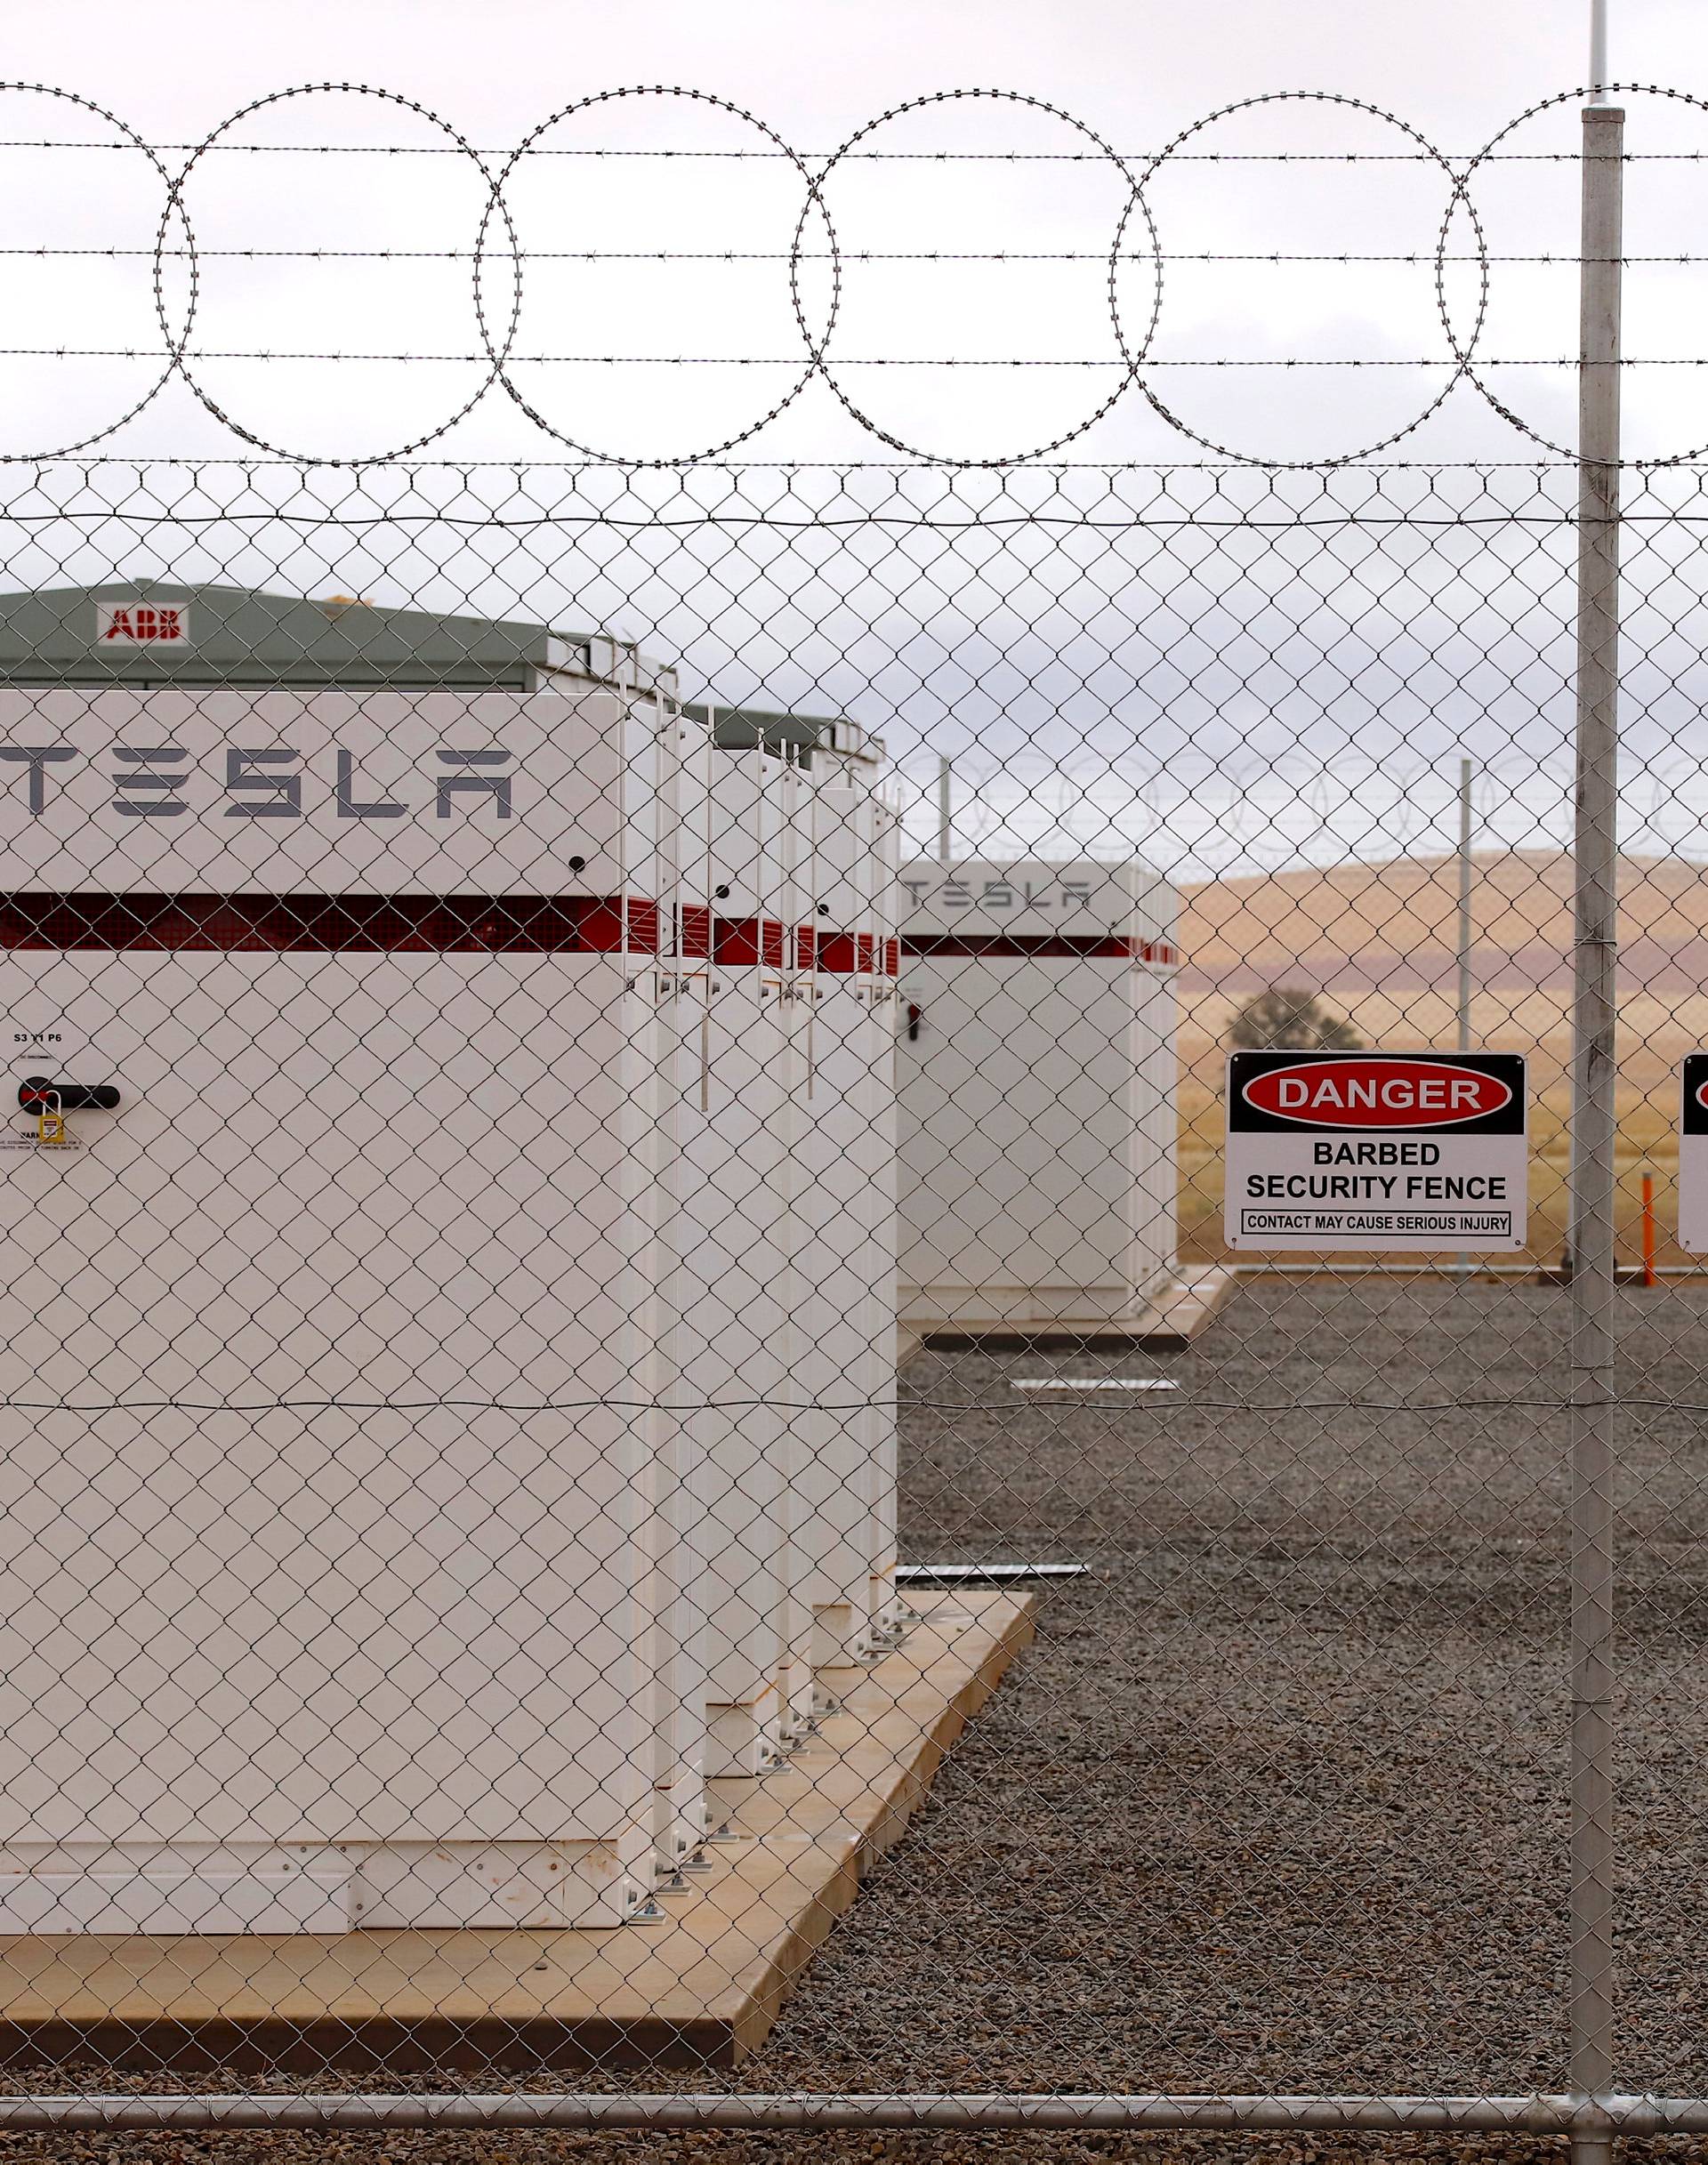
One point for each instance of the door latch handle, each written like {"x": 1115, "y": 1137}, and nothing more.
{"x": 37, "y": 1094}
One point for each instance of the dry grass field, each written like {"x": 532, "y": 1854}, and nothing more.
{"x": 1377, "y": 942}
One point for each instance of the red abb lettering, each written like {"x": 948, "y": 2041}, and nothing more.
{"x": 146, "y": 624}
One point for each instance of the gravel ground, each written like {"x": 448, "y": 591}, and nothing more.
{"x": 1276, "y": 1800}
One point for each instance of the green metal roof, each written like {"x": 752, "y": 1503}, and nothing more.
{"x": 743, "y": 728}
{"x": 241, "y": 635}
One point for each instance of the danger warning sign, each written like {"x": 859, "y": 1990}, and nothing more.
{"x": 1692, "y": 1155}
{"x": 1412, "y": 1151}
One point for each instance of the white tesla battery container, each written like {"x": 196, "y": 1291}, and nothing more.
{"x": 1038, "y": 1093}
{"x": 331, "y": 1188}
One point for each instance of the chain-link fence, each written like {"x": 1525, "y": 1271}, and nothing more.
{"x": 681, "y": 1452}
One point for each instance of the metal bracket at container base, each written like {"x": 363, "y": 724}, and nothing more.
{"x": 801, "y": 1727}
{"x": 680, "y": 1845}
{"x": 886, "y": 1633}
{"x": 882, "y": 1638}
{"x": 673, "y": 1879}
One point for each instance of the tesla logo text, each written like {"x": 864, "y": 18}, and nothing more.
{"x": 163, "y": 781}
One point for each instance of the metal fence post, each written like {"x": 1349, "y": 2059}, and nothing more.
{"x": 1464, "y": 905}
{"x": 1594, "y": 1082}
{"x": 1466, "y": 1264}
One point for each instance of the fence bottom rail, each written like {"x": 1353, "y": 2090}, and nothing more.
{"x": 1591, "y": 2120}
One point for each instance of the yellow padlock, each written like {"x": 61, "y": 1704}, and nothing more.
{"x": 50, "y": 1127}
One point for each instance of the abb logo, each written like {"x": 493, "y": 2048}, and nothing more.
{"x": 1377, "y": 1093}
{"x": 142, "y": 624}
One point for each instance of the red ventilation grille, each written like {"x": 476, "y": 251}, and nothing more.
{"x": 325, "y": 925}
{"x": 1057, "y": 946}
{"x": 836, "y": 952}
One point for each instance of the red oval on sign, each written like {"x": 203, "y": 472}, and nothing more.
{"x": 1392, "y": 1092}
{"x": 1702, "y": 1093}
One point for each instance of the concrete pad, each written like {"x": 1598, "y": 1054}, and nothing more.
{"x": 1168, "y": 1322}
{"x": 702, "y": 1987}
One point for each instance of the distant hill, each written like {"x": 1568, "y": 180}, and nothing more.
{"x": 1393, "y": 927}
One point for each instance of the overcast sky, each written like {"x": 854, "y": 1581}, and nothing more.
{"x": 943, "y": 654}
{"x": 1132, "y": 68}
